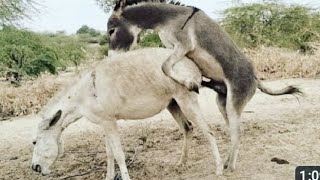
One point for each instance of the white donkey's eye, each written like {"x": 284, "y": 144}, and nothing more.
{"x": 34, "y": 142}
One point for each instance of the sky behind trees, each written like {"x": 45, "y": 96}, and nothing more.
{"x": 70, "y": 15}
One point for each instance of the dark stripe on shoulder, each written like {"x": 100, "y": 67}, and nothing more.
{"x": 194, "y": 10}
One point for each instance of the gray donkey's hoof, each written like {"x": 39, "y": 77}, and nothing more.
{"x": 117, "y": 177}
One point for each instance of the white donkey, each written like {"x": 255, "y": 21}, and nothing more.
{"x": 129, "y": 86}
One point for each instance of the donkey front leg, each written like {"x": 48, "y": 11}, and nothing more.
{"x": 110, "y": 162}
{"x": 113, "y": 138}
{"x": 167, "y": 67}
{"x": 190, "y": 108}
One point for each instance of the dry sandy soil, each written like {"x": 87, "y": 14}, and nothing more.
{"x": 271, "y": 127}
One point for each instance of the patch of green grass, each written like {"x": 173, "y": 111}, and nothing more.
{"x": 151, "y": 40}
{"x": 272, "y": 24}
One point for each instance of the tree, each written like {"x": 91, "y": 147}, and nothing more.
{"x": 87, "y": 30}
{"x": 106, "y": 5}
{"x": 12, "y": 11}
{"x": 83, "y": 30}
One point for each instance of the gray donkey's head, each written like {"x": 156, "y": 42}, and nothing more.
{"x": 128, "y": 20}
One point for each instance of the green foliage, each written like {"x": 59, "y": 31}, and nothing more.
{"x": 103, "y": 40}
{"x": 106, "y": 5}
{"x": 31, "y": 54}
{"x": 87, "y": 30}
{"x": 13, "y": 10}
{"x": 272, "y": 24}
{"x": 151, "y": 40}
{"x": 103, "y": 50}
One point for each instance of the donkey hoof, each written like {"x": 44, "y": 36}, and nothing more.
{"x": 117, "y": 177}
{"x": 181, "y": 163}
{"x": 219, "y": 169}
{"x": 229, "y": 168}
{"x": 219, "y": 172}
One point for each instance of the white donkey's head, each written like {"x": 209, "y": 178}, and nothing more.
{"x": 60, "y": 112}
{"x": 47, "y": 143}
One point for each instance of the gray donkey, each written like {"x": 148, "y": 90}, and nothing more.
{"x": 190, "y": 32}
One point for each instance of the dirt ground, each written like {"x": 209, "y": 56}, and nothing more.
{"x": 271, "y": 127}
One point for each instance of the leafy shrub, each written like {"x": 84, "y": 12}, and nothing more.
{"x": 87, "y": 30}
{"x": 150, "y": 40}
{"x": 103, "y": 50}
{"x": 31, "y": 54}
{"x": 88, "y": 39}
{"x": 272, "y": 24}
{"x": 103, "y": 40}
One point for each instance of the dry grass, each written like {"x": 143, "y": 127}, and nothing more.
{"x": 27, "y": 98}
{"x": 270, "y": 63}
{"x": 277, "y": 63}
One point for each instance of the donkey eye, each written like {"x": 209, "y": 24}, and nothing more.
{"x": 34, "y": 142}
{"x": 111, "y": 31}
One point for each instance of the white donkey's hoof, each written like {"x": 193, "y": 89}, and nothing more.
{"x": 181, "y": 162}
{"x": 219, "y": 173}
{"x": 230, "y": 167}
{"x": 219, "y": 170}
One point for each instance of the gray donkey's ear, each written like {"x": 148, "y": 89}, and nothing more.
{"x": 55, "y": 118}
{"x": 120, "y": 5}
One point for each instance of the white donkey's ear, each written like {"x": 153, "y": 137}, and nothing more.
{"x": 55, "y": 118}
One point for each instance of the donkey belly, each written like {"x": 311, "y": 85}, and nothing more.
{"x": 142, "y": 107}
{"x": 207, "y": 64}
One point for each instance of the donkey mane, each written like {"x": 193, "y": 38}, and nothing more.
{"x": 178, "y": 3}
{"x": 135, "y": 2}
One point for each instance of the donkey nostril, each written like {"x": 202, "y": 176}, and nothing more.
{"x": 38, "y": 168}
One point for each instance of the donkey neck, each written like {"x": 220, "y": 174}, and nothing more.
{"x": 151, "y": 16}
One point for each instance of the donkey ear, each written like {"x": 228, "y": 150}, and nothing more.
{"x": 120, "y": 5}
{"x": 55, "y": 118}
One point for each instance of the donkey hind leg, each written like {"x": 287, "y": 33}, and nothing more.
{"x": 110, "y": 163}
{"x": 190, "y": 108}
{"x": 234, "y": 108}
{"x": 185, "y": 126}
{"x": 113, "y": 137}
{"x": 222, "y": 102}
{"x": 167, "y": 67}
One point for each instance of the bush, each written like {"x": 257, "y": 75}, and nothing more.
{"x": 272, "y": 24}
{"x": 103, "y": 50}
{"x": 87, "y": 30}
{"x": 30, "y": 54}
{"x": 150, "y": 40}
{"x": 103, "y": 40}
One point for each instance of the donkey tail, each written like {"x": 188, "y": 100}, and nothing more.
{"x": 287, "y": 90}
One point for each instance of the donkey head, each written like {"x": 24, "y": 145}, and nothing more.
{"x": 47, "y": 144}
{"x": 123, "y": 33}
